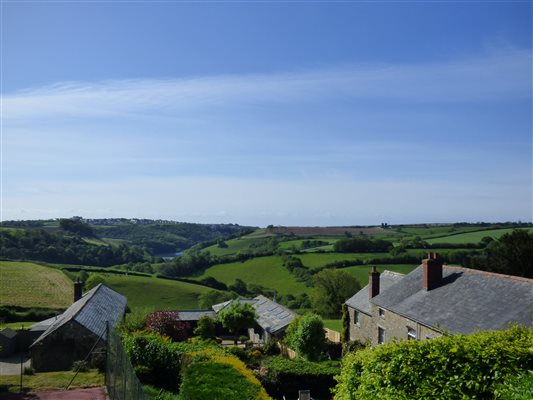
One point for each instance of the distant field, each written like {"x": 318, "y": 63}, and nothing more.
{"x": 155, "y": 293}
{"x": 473, "y": 237}
{"x": 289, "y": 244}
{"x": 317, "y": 260}
{"x": 26, "y": 284}
{"x": 234, "y": 246}
{"x": 265, "y": 271}
{"x": 361, "y": 271}
{"x": 432, "y": 231}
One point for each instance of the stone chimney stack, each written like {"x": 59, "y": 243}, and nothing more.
{"x": 373, "y": 282}
{"x": 78, "y": 287}
{"x": 432, "y": 268}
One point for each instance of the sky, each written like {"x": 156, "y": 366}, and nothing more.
{"x": 257, "y": 113}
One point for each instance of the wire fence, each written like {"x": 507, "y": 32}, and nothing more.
{"x": 121, "y": 381}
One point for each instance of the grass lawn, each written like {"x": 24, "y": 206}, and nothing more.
{"x": 25, "y": 284}
{"x": 155, "y": 293}
{"x": 361, "y": 271}
{"x": 473, "y": 237}
{"x": 333, "y": 324}
{"x": 42, "y": 381}
{"x": 17, "y": 325}
{"x": 317, "y": 260}
{"x": 265, "y": 271}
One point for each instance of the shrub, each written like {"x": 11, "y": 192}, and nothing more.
{"x": 206, "y": 328}
{"x": 283, "y": 377}
{"x": 168, "y": 323}
{"x": 29, "y": 371}
{"x": 211, "y": 374}
{"x": 306, "y": 336}
{"x": 451, "y": 367}
{"x": 80, "y": 366}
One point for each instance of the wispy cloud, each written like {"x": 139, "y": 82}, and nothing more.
{"x": 498, "y": 75}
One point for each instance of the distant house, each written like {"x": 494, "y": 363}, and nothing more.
{"x": 272, "y": 318}
{"x": 435, "y": 298}
{"x": 71, "y": 336}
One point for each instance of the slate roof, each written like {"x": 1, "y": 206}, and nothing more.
{"x": 8, "y": 333}
{"x": 271, "y": 316}
{"x": 92, "y": 311}
{"x": 43, "y": 325}
{"x": 360, "y": 300}
{"x": 195, "y": 315}
{"x": 466, "y": 300}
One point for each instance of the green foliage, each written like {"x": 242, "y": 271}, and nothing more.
{"x": 333, "y": 288}
{"x": 76, "y": 225}
{"x": 450, "y": 367}
{"x": 512, "y": 254}
{"x": 206, "y": 328}
{"x": 362, "y": 245}
{"x": 212, "y": 375}
{"x": 94, "y": 280}
{"x": 80, "y": 365}
{"x": 305, "y": 335}
{"x": 516, "y": 387}
{"x": 345, "y": 322}
{"x": 237, "y": 316}
{"x": 208, "y": 299}
{"x": 284, "y": 377}
{"x": 133, "y": 321}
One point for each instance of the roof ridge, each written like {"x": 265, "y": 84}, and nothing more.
{"x": 494, "y": 274}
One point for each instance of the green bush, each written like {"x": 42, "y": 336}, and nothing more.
{"x": 305, "y": 335}
{"x": 516, "y": 387}
{"x": 80, "y": 366}
{"x": 212, "y": 374}
{"x": 451, "y": 367}
{"x": 284, "y": 377}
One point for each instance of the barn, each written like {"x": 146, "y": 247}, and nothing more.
{"x": 78, "y": 331}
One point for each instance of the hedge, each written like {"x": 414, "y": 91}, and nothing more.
{"x": 450, "y": 367}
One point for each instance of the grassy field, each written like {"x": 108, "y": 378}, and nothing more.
{"x": 361, "y": 271}
{"x": 317, "y": 260}
{"x": 156, "y": 293}
{"x": 333, "y": 324}
{"x": 472, "y": 237}
{"x": 234, "y": 246}
{"x": 265, "y": 271}
{"x": 17, "y": 325}
{"x": 289, "y": 244}
{"x": 42, "y": 381}
{"x": 26, "y": 284}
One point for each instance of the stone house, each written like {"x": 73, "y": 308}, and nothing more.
{"x": 436, "y": 298}
{"x": 81, "y": 328}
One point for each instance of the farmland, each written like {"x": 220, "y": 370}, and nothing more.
{"x": 472, "y": 237}
{"x": 26, "y": 284}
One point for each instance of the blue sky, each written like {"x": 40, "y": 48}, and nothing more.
{"x": 309, "y": 113}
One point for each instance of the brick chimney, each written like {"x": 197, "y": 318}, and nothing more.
{"x": 373, "y": 282}
{"x": 432, "y": 268}
{"x": 78, "y": 287}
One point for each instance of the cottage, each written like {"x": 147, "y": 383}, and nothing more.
{"x": 436, "y": 298}
{"x": 272, "y": 318}
{"x": 82, "y": 327}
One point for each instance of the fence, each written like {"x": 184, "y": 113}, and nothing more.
{"x": 120, "y": 379}
{"x": 333, "y": 336}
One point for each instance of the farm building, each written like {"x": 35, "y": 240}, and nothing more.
{"x": 8, "y": 342}
{"x": 272, "y": 318}
{"x": 436, "y": 298}
{"x": 71, "y": 336}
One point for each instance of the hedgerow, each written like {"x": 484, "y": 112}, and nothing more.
{"x": 450, "y": 367}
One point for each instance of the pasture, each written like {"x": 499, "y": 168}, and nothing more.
{"x": 25, "y": 284}
{"x": 473, "y": 237}
{"x": 155, "y": 293}
{"x": 361, "y": 271}
{"x": 265, "y": 271}
{"x": 317, "y": 260}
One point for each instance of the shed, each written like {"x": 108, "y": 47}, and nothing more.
{"x": 8, "y": 342}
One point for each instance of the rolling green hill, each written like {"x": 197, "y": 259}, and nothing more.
{"x": 25, "y": 284}
{"x": 472, "y": 237}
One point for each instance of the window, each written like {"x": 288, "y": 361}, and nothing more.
{"x": 411, "y": 334}
{"x": 381, "y": 335}
{"x": 356, "y": 318}
{"x": 381, "y": 312}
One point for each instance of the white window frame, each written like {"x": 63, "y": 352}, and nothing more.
{"x": 411, "y": 333}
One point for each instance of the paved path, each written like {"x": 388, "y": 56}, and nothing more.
{"x": 76, "y": 394}
{"x": 11, "y": 365}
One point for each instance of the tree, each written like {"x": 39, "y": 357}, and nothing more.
{"x": 237, "y": 316}
{"x": 168, "y": 323}
{"x": 333, "y": 288}
{"x": 306, "y": 336}
{"x": 205, "y": 328}
{"x": 94, "y": 280}
{"x": 207, "y": 299}
{"x": 512, "y": 254}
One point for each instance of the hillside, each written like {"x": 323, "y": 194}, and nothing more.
{"x": 30, "y": 285}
